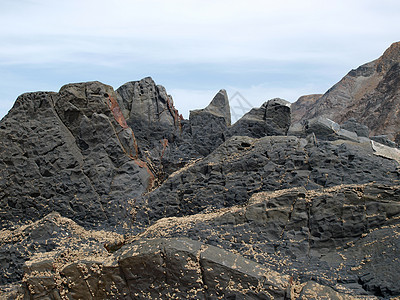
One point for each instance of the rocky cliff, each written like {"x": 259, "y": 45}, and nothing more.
{"x": 114, "y": 195}
{"x": 370, "y": 94}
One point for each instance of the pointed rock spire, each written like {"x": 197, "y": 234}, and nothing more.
{"x": 220, "y": 106}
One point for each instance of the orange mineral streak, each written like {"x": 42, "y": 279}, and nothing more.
{"x": 114, "y": 107}
{"x": 174, "y": 112}
{"x": 119, "y": 117}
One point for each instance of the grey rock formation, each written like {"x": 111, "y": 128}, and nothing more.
{"x": 353, "y": 126}
{"x": 219, "y": 106}
{"x": 272, "y": 118}
{"x": 335, "y": 236}
{"x": 146, "y": 103}
{"x": 326, "y": 129}
{"x": 208, "y": 125}
{"x": 177, "y": 268}
{"x": 384, "y": 140}
{"x": 242, "y": 166}
{"x": 68, "y": 152}
{"x": 50, "y": 240}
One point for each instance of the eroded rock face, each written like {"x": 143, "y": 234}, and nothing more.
{"x": 243, "y": 166}
{"x": 321, "y": 235}
{"x": 209, "y": 125}
{"x": 272, "y": 118}
{"x": 158, "y": 268}
{"x": 67, "y": 152}
{"x": 369, "y": 94}
{"x": 47, "y": 243}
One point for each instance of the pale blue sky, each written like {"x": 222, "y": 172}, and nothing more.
{"x": 262, "y": 49}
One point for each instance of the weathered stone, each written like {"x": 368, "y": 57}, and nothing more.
{"x": 386, "y": 151}
{"x": 161, "y": 268}
{"x": 208, "y": 125}
{"x": 207, "y": 210}
{"x": 315, "y": 291}
{"x": 368, "y": 94}
{"x": 353, "y": 126}
{"x": 63, "y": 152}
{"x": 327, "y": 235}
{"x": 384, "y": 140}
{"x": 242, "y": 166}
{"x": 272, "y": 118}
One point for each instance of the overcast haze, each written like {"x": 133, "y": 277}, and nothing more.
{"x": 262, "y": 49}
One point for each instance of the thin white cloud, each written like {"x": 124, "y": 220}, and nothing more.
{"x": 181, "y": 30}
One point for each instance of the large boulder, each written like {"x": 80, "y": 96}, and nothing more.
{"x": 158, "y": 268}
{"x": 353, "y": 126}
{"x": 272, "y": 118}
{"x": 69, "y": 152}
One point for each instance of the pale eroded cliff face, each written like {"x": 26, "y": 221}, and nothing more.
{"x": 370, "y": 94}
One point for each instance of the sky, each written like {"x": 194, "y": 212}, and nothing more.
{"x": 256, "y": 50}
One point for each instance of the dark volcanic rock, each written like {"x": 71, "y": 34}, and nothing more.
{"x": 108, "y": 195}
{"x": 68, "y": 152}
{"x": 384, "y": 140}
{"x": 208, "y": 125}
{"x": 335, "y": 235}
{"x": 242, "y": 166}
{"x": 167, "y": 142}
{"x": 50, "y": 240}
{"x": 144, "y": 103}
{"x": 353, "y": 126}
{"x": 158, "y": 127}
{"x": 326, "y": 129}
{"x": 272, "y": 118}
{"x": 158, "y": 269}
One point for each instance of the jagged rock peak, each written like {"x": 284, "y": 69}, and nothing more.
{"x": 390, "y": 57}
{"x": 277, "y": 101}
{"x": 220, "y": 106}
{"x": 144, "y": 101}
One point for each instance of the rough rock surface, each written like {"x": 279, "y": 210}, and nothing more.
{"x": 177, "y": 268}
{"x": 335, "y": 236}
{"x": 52, "y": 240}
{"x": 353, "y": 126}
{"x": 369, "y": 94}
{"x": 208, "y": 125}
{"x": 167, "y": 142}
{"x": 113, "y": 195}
{"x": 68, "y": 152}
{"x": 272, "y": 118}
{"x": 243, "y": 165}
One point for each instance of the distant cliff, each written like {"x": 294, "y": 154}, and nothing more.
{"x": 370, "y": 94}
